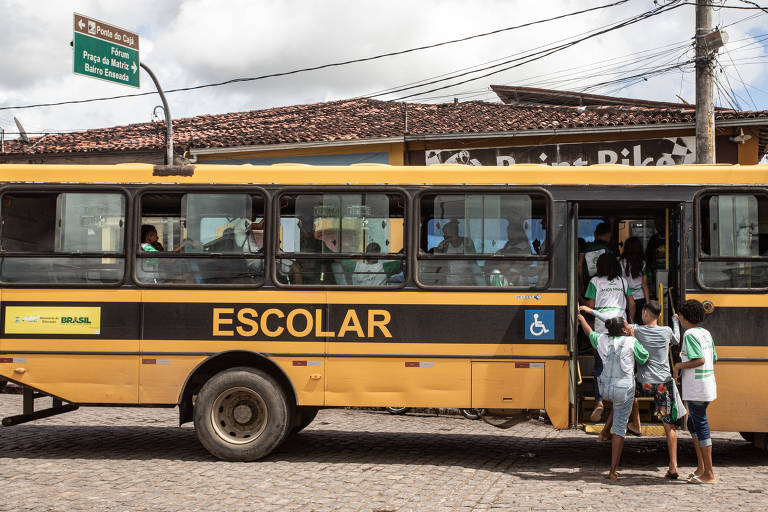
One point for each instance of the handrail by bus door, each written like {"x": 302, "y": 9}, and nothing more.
{"x": 573, "y": 303}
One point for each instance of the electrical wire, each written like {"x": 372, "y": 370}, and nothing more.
{"x": 545, "y": 53}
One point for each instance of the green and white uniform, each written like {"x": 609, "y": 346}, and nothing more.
{"x": 635, "y": 284}
{"x": 699, "y": 383}
{"x": 371, "y": 274}
{"x": 591, "y": 253}
{"x": 610, "y": 298}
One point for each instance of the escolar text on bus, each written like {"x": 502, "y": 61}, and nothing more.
{"x": 299, "y": 322}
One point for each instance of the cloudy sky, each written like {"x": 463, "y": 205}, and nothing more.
{"x": 194, "y": 42}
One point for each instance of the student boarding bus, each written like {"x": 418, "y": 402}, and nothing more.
{"x": 251, "y": 296}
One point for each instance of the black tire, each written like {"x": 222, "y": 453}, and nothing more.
{"x": 304, "y": 416}
{"x": 472, "y": 414}
{"x": 242, "y": 414}
{"x": 3, "y": 383}
{"x": 397, "y": 410}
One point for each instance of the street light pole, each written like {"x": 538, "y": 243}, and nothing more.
{"x": 168, "y": 121}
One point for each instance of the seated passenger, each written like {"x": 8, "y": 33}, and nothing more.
{"x": 371, "y": 272}
{"x": 512, "y": 273}
{"x": 458, "y": 272}
{"x": 149, "y": 240}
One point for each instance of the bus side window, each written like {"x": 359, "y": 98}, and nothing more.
{"x": 341, "y": 239}
{"x": 62, "y": 237}
{"x": 733, "y": 241}
{"x": 201, "y": 239}
{"x": 483, "y": 240}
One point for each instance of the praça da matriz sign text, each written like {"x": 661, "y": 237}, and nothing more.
{"x": 105, "y": 52}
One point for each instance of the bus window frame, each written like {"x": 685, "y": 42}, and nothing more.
{"x": 340, "y": 189}
{"x": 199, "y": 189}
{"x": 33, "y": 188}
{"x": 697, "y": 237}
{"x": 490, "y": 189}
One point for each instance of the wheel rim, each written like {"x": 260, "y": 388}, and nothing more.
{"x": 239, "y": 415}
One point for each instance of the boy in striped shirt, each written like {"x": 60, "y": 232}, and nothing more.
{"x": 698, "y": 356}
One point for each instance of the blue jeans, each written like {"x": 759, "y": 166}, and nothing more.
{"x": 698, "y": 424}
{"x": 597, "y": 372}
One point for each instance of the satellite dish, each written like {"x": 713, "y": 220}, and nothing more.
{"x": 22, "y": 131}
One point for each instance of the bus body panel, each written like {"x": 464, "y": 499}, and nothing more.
{"x": 410, "y": 347}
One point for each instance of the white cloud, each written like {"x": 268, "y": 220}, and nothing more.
{"x": 200, "y": 41}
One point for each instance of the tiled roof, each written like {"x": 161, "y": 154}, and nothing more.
{"x": 358, "y": 119}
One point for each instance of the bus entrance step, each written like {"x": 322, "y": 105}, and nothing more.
{"x": 650, "y": 430}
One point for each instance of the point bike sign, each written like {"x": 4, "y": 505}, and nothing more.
{"x": 106, "y": 52}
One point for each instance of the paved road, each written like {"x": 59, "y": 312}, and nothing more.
{"x": 138, "y": 459}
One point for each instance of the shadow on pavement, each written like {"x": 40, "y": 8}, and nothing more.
{"x": 561, "y": 457}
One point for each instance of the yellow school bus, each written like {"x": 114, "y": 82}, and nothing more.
{"x": 251, "y": 296}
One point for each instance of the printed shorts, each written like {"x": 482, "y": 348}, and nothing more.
{"x": 662, "y": 399}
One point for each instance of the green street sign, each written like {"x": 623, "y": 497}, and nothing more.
{"x": 106, "y": 52}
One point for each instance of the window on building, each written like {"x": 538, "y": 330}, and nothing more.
{"x": 341, "y": 239}
{"x": 62, "y": 238}
{"x": 483, "y": 240}
{"x": 733, "y": 250}
{"x": 200, "y": 239}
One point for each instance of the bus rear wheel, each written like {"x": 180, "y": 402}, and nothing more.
{"x": 242, "y": 414}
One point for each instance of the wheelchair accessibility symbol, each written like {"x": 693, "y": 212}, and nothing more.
{"x": 539, "y": 324}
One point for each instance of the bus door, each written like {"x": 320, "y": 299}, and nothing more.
{"x": 656, "y": 227}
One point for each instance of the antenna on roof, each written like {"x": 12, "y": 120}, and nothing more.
{"x": 22, "y": 132}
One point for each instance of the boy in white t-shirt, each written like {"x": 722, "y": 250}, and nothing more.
{"x": 698, "y": 356}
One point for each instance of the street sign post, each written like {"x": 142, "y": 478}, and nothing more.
{"x": 106, "y": 52}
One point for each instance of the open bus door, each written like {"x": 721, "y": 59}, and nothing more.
{"x": 645, "y": 220}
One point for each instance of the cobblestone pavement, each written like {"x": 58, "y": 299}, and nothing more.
{"x": 350, "y": 460}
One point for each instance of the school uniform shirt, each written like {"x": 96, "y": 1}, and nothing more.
{"x": 610, "y": 296}
{"x": 370, "y": 274}
{"x": 699, "y": 383}
{"x": 631, "y": 351}
{"x": 635, "y": 284}
{"x": 593, "y": 251}
{"x": 656, "y": 340}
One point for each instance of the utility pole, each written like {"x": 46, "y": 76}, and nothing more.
{"x": 705, "y": 109}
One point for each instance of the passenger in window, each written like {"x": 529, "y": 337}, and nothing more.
{"x": 307, "y": 271}
{"x": 592, "y": 251}
{"x": 512, "y": 273}
{"x": 453, "y": 243}
{"x": 635, "y": 271}
{"x": 371, "y": 271}
{"x": 149, "y": 239}
{"x": 458, "y": 272}
{"x": 609, "y": 294}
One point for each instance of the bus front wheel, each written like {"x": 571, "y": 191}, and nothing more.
{"x": 242, "y": 414}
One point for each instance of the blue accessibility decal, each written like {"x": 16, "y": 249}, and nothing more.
{"x": 539, "y": 324}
